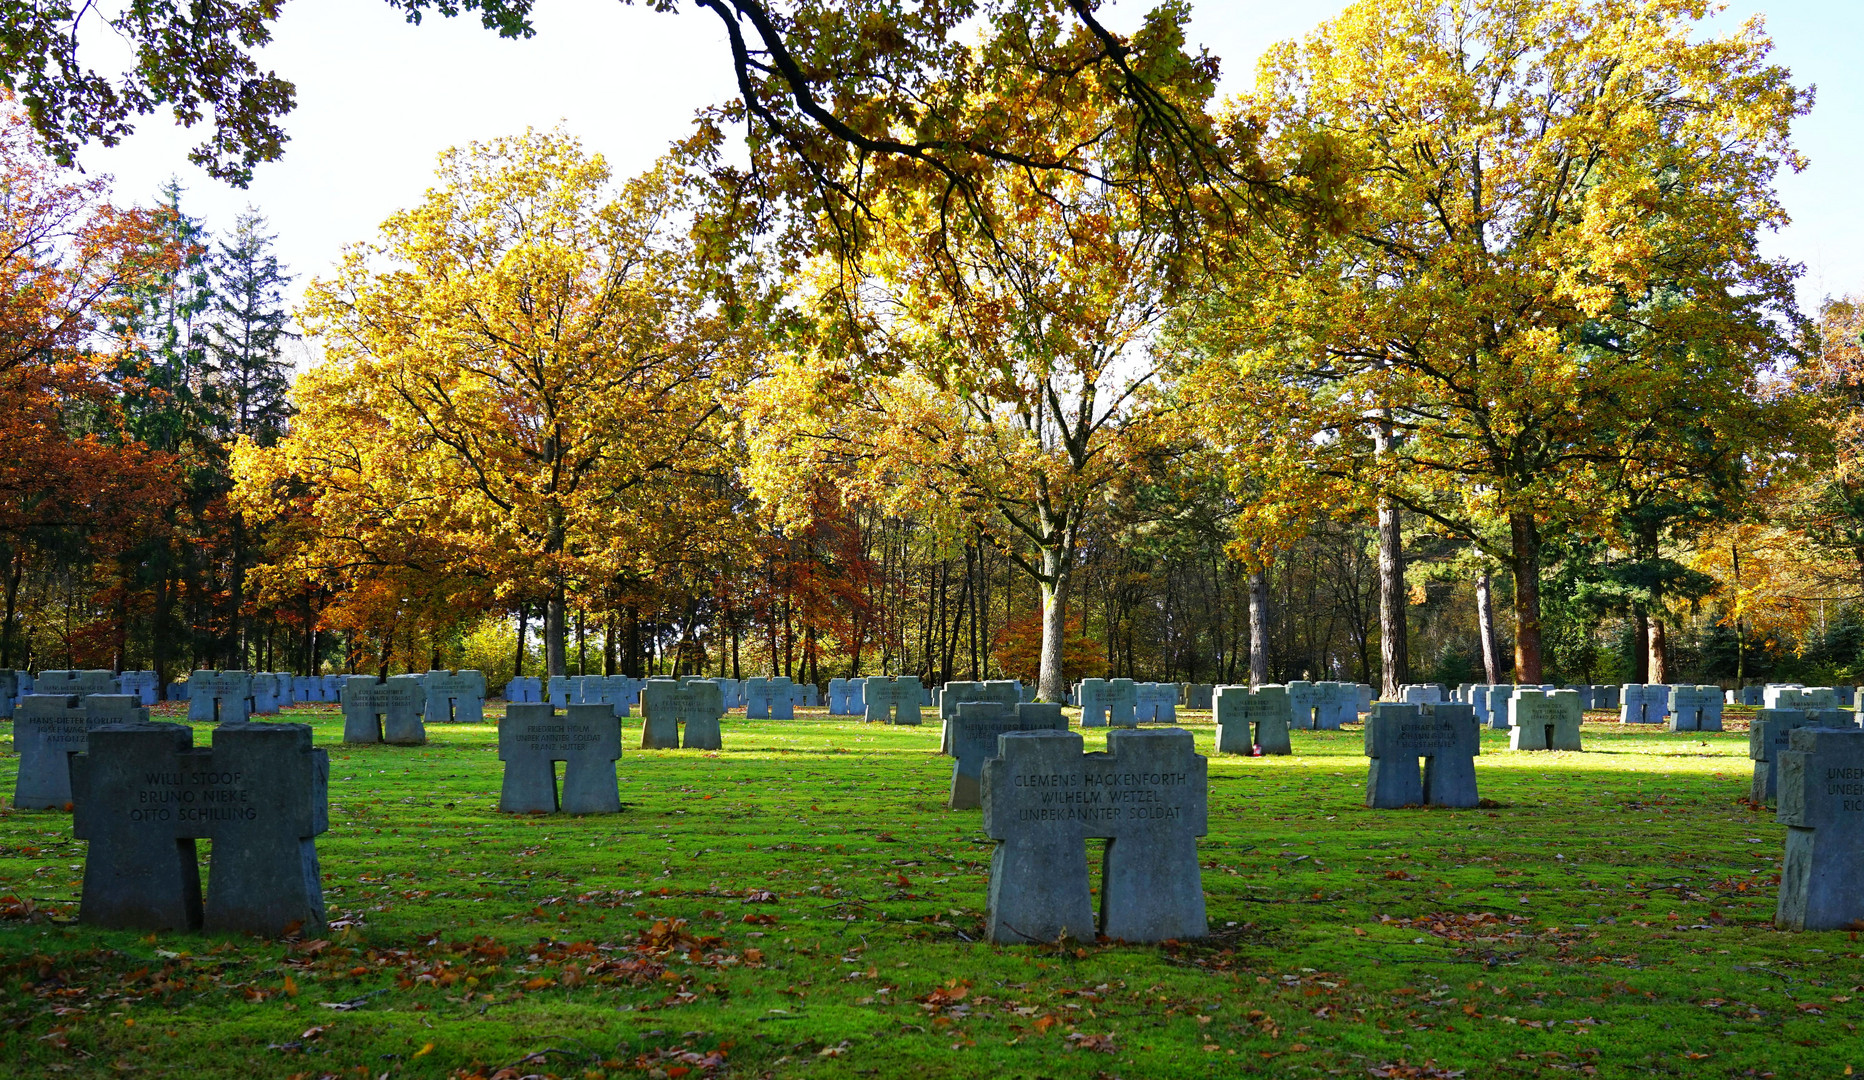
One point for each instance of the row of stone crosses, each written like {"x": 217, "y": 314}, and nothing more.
{"x": 142, "y": 794}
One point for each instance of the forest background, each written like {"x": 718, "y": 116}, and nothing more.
{"x": 1474, "y": 374}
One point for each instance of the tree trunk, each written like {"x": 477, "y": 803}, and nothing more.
{"x": 1051, "y": 684}
{"x": 608, "y": 643}
{"x": 1258, "y": 628}
{"x": 16, "y": 564}
{"x": 1640, "y": 646}
{"x": 1525, "y": 534}
{"x": 1394, "y": 648}
{"x": 1485, "y": 624}
{"x": 1734, "y": 551}
{"x": 556, "y": 633}
{"x": 524, "y": 624}
{"x": 1659, "y": 653}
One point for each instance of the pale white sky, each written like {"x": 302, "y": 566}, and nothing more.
{"x": 378, "y": 99}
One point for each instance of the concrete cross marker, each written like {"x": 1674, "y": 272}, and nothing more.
{"x": 383, "y": 711}
{"x": 1249, "y": 718}
{"x": 974, "y": 739}
{"x": 1695, "y": 708}
{"x": 220, "y": 697}
{"x": 144, "y": 795}
{"x": 1044, "y": 798}
{"x": 1006, "y": 692}
{"x": 1822, "y": 806}
{"x": 47, "y": 729}
{"x": 534, "y": 736}
{"x": 893, "y": 700}
{"x": 1644, "y": 703}
{"x": 1544, "y": 720}
{"x": 665, "y": 705}
{"x": 455, "y": 697}
{"x": 1448, "y": 738}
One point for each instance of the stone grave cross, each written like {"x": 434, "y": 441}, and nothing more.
{"x": 534, "y": 736}
{"x": 220, "y": 697}
{"x": 1544, "y": 720}
{"x": 1446, "y": 735}
{"x": 1252, "y": 717}
{"x": 1695, "y": 708}
{"x": 1044, "y": 798}
{"x": 1822, "y": 806}
{"x": 383, "y": 711}
{"x": 455, "y": 696}
{"x": 894, "y": 700}
{"x": 144, "y": 795}
{"x": 974, "y": 734}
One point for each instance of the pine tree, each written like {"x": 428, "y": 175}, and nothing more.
{"x": 248, "y": 331}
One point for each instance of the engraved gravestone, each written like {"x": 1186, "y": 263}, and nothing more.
{"x": 139, "y": 684}
{"x": 49, "y": 727}
{"x": 1248, "y": 718}
{"x": 838, "y": 698}
{"x": 857, "y": 697}
{"x": 383, "y": 711}
{"x": 1446, "y": 736}
{"x": 455, "y": 697}
{"x": 615, "y": 691}
{"x": 1643, "y": 703}
{"x": 1157, "y": 703}
{"x": 1122, "y": 700}
{"x": 1544, "y": 720}
{"x": 1695, "y": 708}
{"x": 144, "y": 795}
{"x": 223, "y": 697}
{"x": 262, "y": 694}
{"x": 1822, "y": 806}
{"x": 76, "y": 681}
{"x": 524, "y": 689}
{"x": 1768, "y": 734}
{"x": 894, "y": 700}
{"x": 974, "y": 739}
{"x": 1044, "y": 798}
{"x": 534, "y": 736}
{"x": 1007, "y": 692}
{"x": 665, "y": 705}
{"x": 1091, "y": 696}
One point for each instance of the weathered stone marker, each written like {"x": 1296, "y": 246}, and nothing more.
{"x": 534, "y": 736}
{"x": 1768, "y": 735}
{"x": 222, "y": 697}
{"x": 1695, "y": 708}
{"x": 1446, "y": 735}
{"x": 894, "y": 700}
{"x": 1544, "y": 720}
{"x": 1155, "y": 703}
{"x": 974, "y": 734}
{"x": 377, "y": 711}
{"x": 665, "y": 705}
{"x": 524, "y": 688}
{"x": 1249, "y": 718}
{"x": 1006, "y": 692}
{"x": 455, "y": 697}
{"x": 1822, "y": 806}
{"x": 1044, "y": 798}
{"x": 46, "y": 727}
{"x": 1644, "y": 703}
{"x": 144, "y": 795}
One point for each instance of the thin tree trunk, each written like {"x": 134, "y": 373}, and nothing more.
{"x": 1258, "y": 627}
{"x": 524, "y": 623}
{"x": 1525, "y": 534}
{"x": 1659, "y": 653}
{"x": 1485, "y": 625}
{"x": 1734, "y": 550}
{"x": 556, "y": 633}
{"x": 1640, "y": 646}
{"x": 1051, "y": 683}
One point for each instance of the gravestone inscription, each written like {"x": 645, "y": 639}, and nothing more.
{"x": 1695, "y": 708}
{"x": 1544, "y": 720}
{"x": 144, "y": 795}
{"x": 1446, "y": 736}
{"x": 1044, "y": 798}
{"x": 455, "y": 697}
{"x": 383, "y": 711}
{"x": 1252, "y": 720}
{"x": 534, "y": 736}
{"x": 974, "y": 734}
{"x": 220, "y": 697}
{"x": 1822, "y": 806}
{"x": 893, "y": 700}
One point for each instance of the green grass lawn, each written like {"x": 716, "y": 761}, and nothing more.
{"x": 803, "y": 904}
